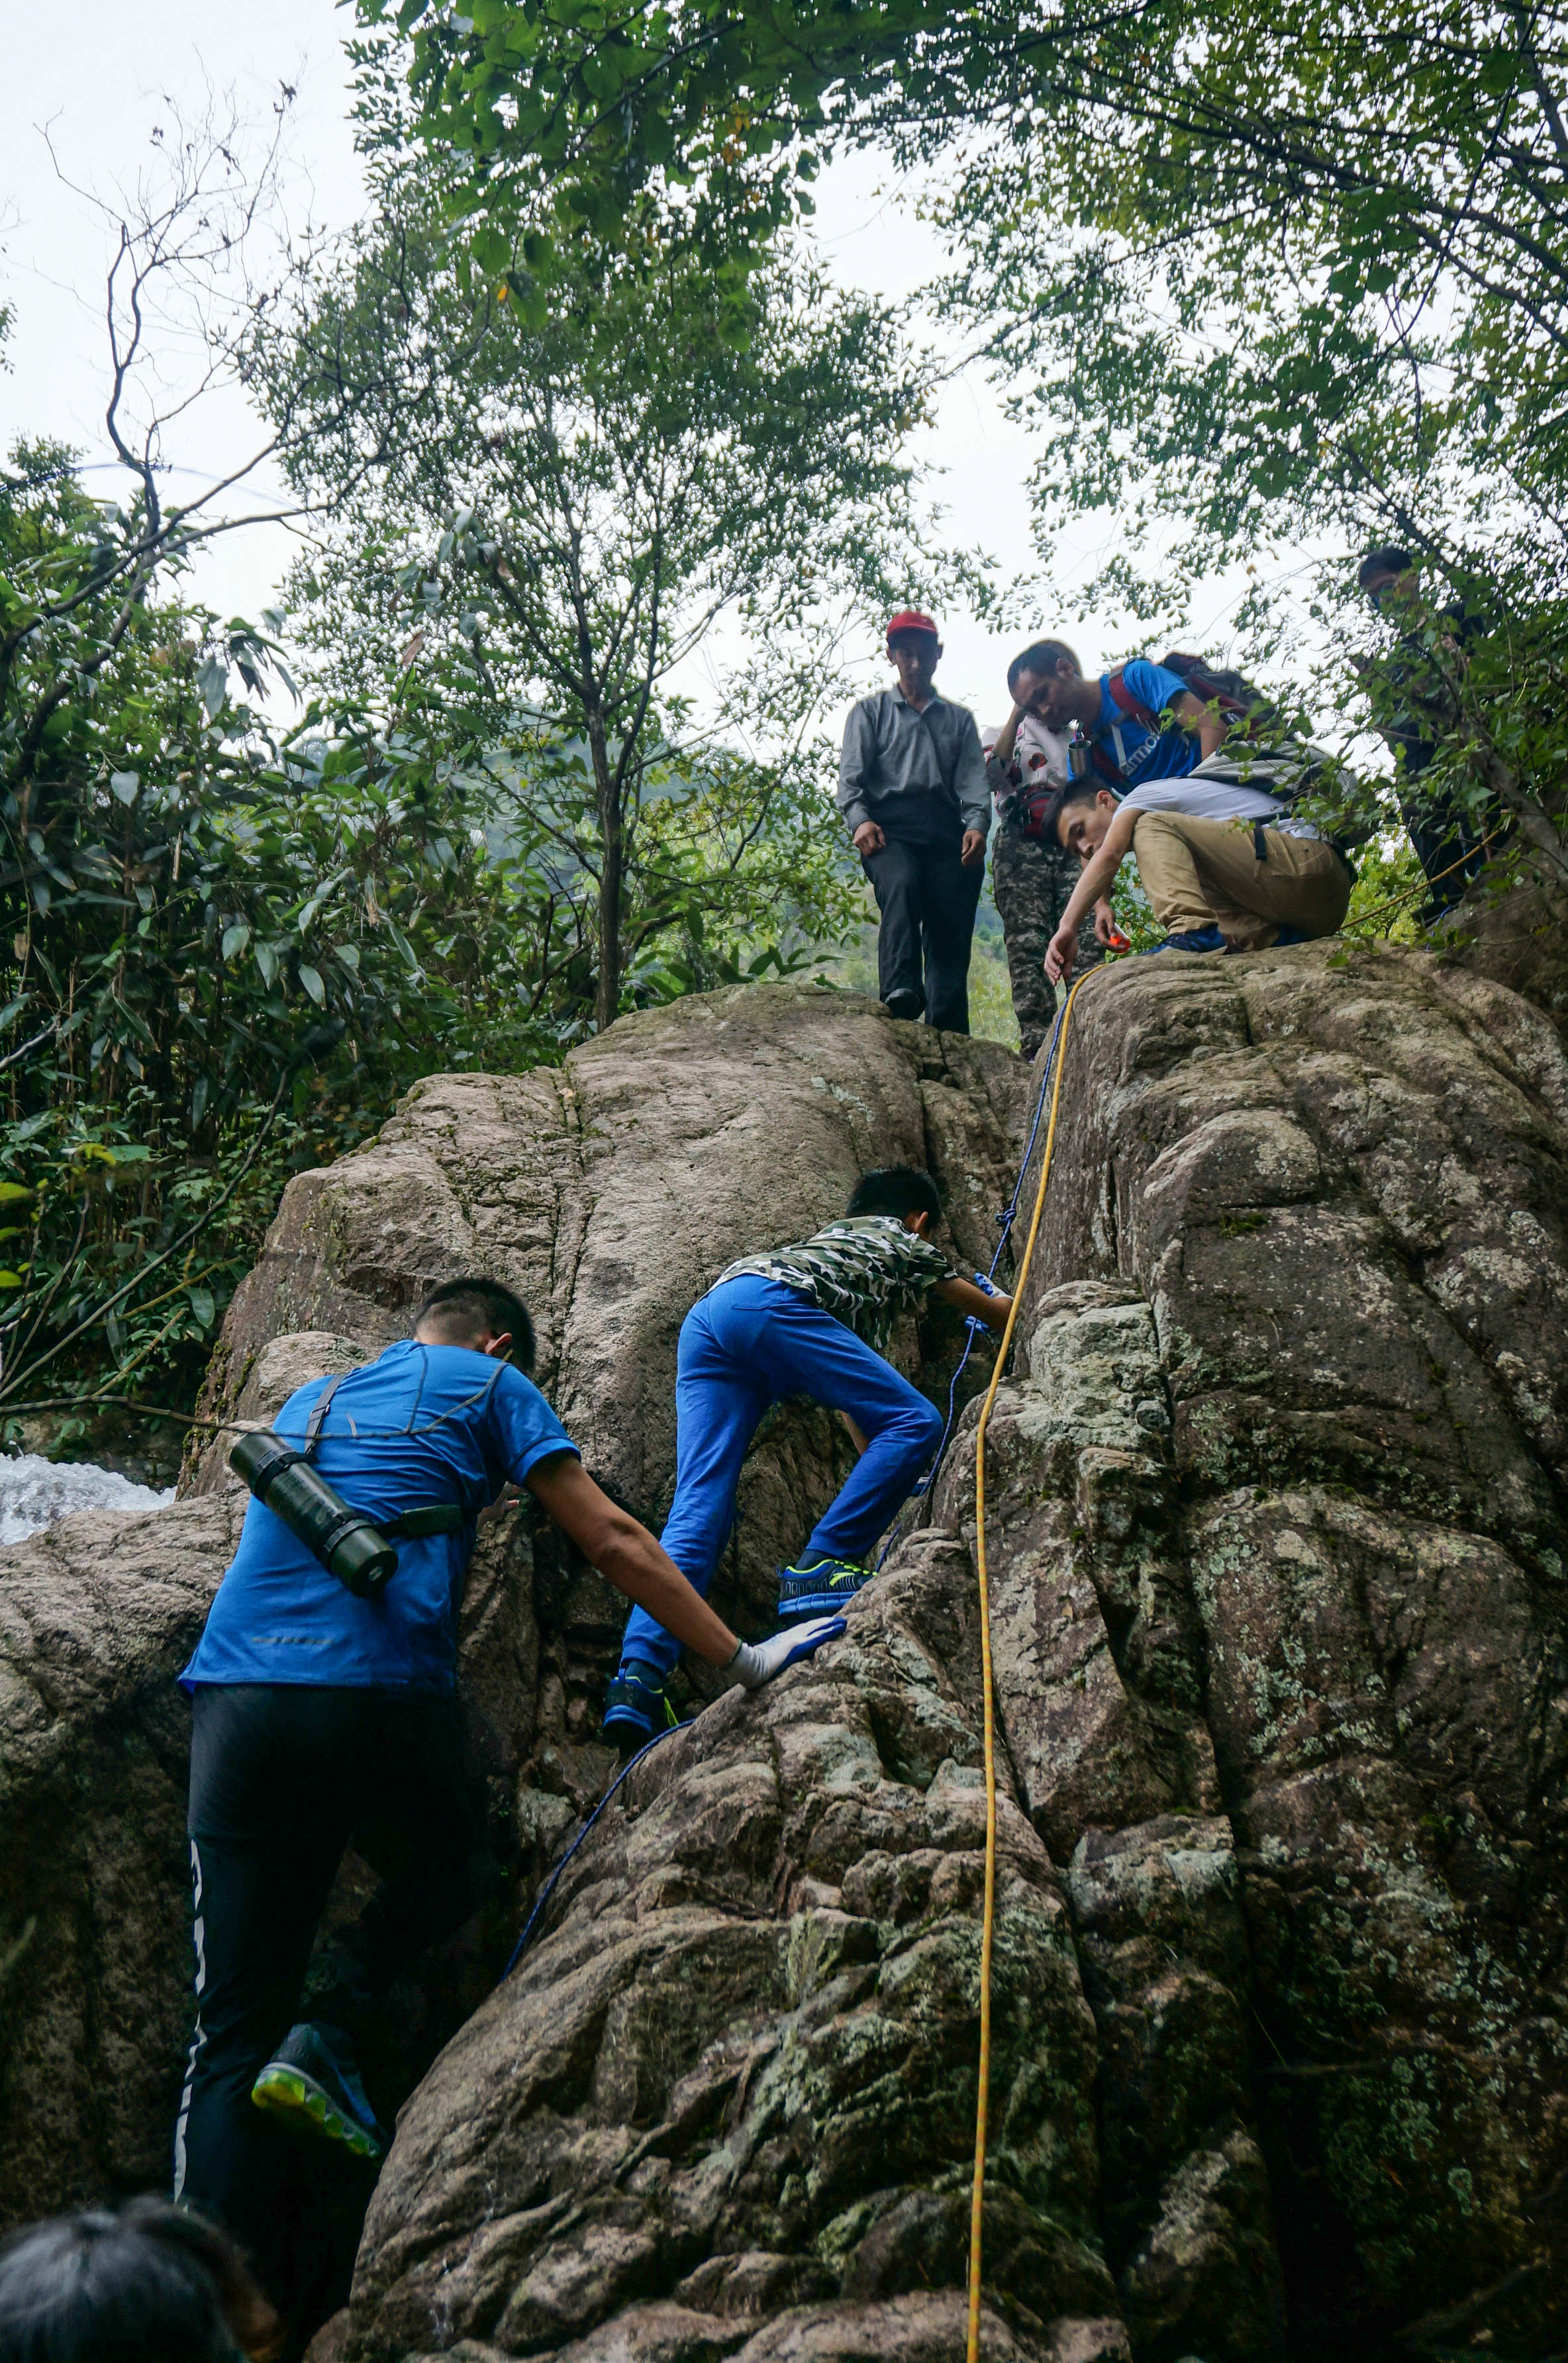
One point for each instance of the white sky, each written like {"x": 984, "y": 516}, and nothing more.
{"x": 100, "y": 94}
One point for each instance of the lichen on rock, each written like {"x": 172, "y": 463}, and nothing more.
{"x": 1275, "y": 1536}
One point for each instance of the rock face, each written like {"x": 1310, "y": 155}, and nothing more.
{"x": 96, "y": 1615}
{"x": 1274, "y": 1523}
{"x": 610, "y": 1193}
{"x": 1275, "y": 1526}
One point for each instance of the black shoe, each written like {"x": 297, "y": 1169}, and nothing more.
{"x": 906, "y": 1003}
{"x": 823, "y": 1588}
{"x": 636, "y": 1708}
{"x": 314, "y": 2084}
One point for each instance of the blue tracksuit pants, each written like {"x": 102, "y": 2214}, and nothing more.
{"x": 747, "y": 1343}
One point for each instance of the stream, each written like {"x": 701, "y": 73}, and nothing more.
{"x": 34, "y": 1492}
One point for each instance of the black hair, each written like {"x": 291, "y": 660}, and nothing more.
{"x": 143, "y": 2283}
{"x": 1081, "y": 791}
{"x": 896, "y": 1190}
{"x": 1042, "y": 656}
{"x": 475, "y": 1305}
{"x": 1388, "y": 560}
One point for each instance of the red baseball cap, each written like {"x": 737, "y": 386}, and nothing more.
{"x": 910, "y": 619}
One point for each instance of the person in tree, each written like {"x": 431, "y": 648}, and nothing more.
{"x": 1032, "y": 877}
{"x": 1421, "y": 685}
{"x": 911, "y": 787}
{"x": 809, "y": 1319}
{"x": 316, "y": 1710}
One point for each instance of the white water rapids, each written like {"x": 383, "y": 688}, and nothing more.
{"x": 34, "y": 1492}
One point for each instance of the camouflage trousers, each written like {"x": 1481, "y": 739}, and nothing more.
{"x": 1032, "y": 883}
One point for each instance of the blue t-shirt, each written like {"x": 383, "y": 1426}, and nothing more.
{"x": 1138, "y": 752}
{"x": 421, "y": 1425}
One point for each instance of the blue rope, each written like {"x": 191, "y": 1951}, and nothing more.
{"x": 1006, "y": 1220}
{"x": 551, "y": 1883}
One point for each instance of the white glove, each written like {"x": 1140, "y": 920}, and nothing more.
{"x": 755, "y": 1662}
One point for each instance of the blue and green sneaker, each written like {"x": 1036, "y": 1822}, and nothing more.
{"x": 823, "y": 1588}
{"x": 315, "y": 2086}
{"x": 636, "y": 1708}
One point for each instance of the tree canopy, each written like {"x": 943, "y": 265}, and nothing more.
{"x": 1294, "y": 270}
{"x": 597, "y": 469}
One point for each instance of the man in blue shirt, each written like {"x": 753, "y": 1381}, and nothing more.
{"x": 315, "y": 1710}
{"x": 1184, "y": 729}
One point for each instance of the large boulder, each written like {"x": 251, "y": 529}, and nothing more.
{"x": 610, "y": 1192}
{"x": 1275, "y": 1538}
{"x": 1275, "y": 1528}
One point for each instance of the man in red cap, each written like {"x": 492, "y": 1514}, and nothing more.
{"x": 911, "y": 787}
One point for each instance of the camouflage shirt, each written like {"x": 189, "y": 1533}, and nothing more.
{"x": 864, "y": 1271}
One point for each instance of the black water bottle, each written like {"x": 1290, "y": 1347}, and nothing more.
{"x": 348, "y": 1545}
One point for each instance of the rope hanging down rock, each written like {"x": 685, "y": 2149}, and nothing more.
{"x": 977, "y": 2199}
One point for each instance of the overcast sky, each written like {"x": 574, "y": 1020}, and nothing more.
{"x": 101, "y": 87}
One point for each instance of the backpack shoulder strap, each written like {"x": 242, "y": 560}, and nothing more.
{"x": 1123, "y": 696}
{"x": 318, "y": 1413}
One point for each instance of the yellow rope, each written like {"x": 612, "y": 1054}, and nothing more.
{"x": 978, "y": 2200}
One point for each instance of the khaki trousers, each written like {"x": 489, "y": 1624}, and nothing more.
{"x": 1204, "y": 873}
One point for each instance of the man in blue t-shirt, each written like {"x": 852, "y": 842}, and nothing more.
{"x": 1156, "y": 729}
{"x": 315, "y": 1710}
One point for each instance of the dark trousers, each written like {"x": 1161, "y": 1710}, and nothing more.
{"x": 927, "y": 900}
{"x": 1445, "y": 837}
{"x": 281, "y": 1775}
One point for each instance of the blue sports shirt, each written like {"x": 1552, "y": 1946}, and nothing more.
{"x": 1140, "y": 753}
{"x": 420, "y": 1424}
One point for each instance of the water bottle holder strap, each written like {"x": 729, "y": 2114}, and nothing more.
{"x": 432, "y": 1518}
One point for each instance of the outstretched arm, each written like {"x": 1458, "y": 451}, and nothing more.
{"x": 612, "y": 1540}
{"x": 992, "y": 1310}
{"x": 1094, "y": 882}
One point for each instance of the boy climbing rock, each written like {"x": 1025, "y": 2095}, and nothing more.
{"x": 807, "y": 1319}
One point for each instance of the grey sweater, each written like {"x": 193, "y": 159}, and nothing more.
{"x": 891, "y": 750}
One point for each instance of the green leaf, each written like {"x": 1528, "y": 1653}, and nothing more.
{"x": 203, "y": 1305}
{"x": 125, "y": 785}
{"x": 235, "y": 939}
{"x": 310, "y": 980}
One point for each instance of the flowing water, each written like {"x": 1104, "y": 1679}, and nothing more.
{"x": 34, "y": 1492}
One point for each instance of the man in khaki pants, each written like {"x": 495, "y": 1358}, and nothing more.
{"x": 1226, "y": 868}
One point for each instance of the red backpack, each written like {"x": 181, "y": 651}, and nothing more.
{"x": 1254, "y": 717}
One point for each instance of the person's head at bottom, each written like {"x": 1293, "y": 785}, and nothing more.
{"x": 910, "y": 1196}
{"x": 142, "y": 2283}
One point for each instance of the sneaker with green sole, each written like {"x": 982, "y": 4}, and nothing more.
{"x": 315, "y": 2086}
{"x": 824, "y": 1589}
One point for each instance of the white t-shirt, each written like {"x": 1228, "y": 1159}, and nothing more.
{"x": 1203, "y": 799}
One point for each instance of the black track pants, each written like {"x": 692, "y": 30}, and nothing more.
{"x": 281, "y": 1775}
{"x": 927, "y": 900}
